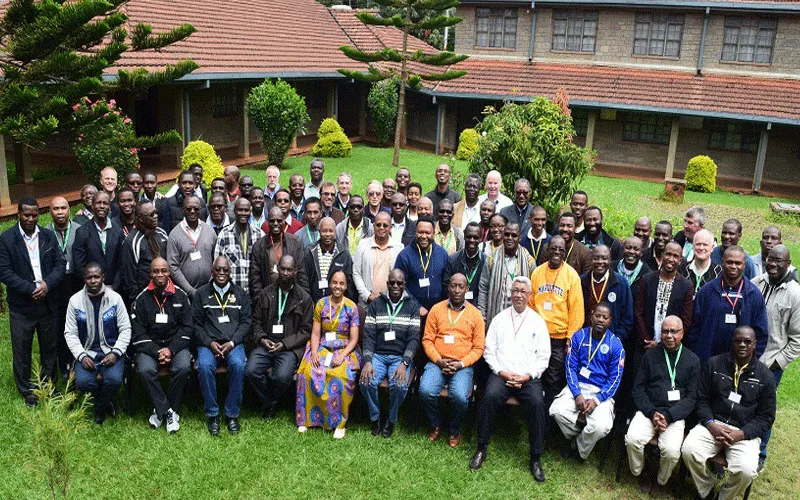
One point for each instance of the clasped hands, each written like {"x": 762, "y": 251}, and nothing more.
{"x": 585, "y": 406}
{"x": 723, "y": 435}
{"x": 513, "y": 380}
{"x": 449, "y": 366}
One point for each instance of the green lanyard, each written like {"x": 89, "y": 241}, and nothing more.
{"x": 66, "y": 239}
{"x": 396, "y": 312}
{"x": 449, "y": 239}
{"x": 474, "y": 271}
{"x": 281, "y": 303}
{"x": 673, "y": 370}
{"x": 510, "y": 274}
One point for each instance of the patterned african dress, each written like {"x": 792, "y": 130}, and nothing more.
{"x": 324, "y": 394}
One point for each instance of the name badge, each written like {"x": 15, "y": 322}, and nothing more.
{"x": 161, "y": 318}
{"x": 449, "y": 339}
{"x": 224, "y": 319}
{"x": 67, "y": 265}
{"x": 277, "y": 328}
{"x": 330, "y": 336}
{"x": 674, "y": 395}
{"x": 735, "y": 397}
{"x": 585, "y": 372}
{"x": 328, "y": 360}
{"x": 389, "y": 336}
{"x": 468, "y": 295}
{"x": 322, "y": 284}
{"x": 424, "y": 282}
{"x": 508, "y": 292}
{"x": 195, "y": 255}
{"x": 730, "y": 319}
{"x": 275, "y": 268}
{"x": 548, "y": 306}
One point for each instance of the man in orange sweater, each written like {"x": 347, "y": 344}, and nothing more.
{"x": 558, "y": 298}
{"x": 453, "y": 341}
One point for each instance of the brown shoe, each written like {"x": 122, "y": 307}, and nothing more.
{"x": 454, "y": 440}
{"x": 434, "y": 433}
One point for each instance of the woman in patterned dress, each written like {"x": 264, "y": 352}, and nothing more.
{"x": 326, "y": 379}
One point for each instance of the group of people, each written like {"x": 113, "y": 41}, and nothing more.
{"x": 328, "y": 290}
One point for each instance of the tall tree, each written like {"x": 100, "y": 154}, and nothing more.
{"x": 383, "y": 63}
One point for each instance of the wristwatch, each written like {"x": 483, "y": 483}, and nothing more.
{"x": 406, "y": 363}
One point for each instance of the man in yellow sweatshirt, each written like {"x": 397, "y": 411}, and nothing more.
{"x": 558, "y": 298}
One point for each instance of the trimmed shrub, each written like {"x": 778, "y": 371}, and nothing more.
{"x": 203, "y": 153}
{"x": 382, "y": 107}
{"x": 701, "y": 174}
{"x": 279, "y": 113}
{"x": 332, "y": 141}
{"x": 467, "y": 144}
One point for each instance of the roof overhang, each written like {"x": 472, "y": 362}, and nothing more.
{"x": 252, "y": 76}
{"x": 773, "y": 7}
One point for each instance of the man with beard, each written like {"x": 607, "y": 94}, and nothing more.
{"x": 601, "y": 284}
{"x": 273, "y": 185}
{"x": 190, "y": 248}
{"x": 701, "y": 270}
{"x": 450, "y": 237}
{"x": 578, "y": 256}
{"x": 468, "y": 209}
{"x": 442, "y": 190}
{"x": 324, "y": 259}
{"x": 520, "y": 210}
{"x": 731, "y": 234}
{"x": 470, "y": 262}
{"x": 140, "y": 247}
{"x": 663, "y": 234}
{"x": 594, "y": 234}
{"x": 268, "y": 251}
{"x": 505, "y": 264}
{"x": 535, "y": 238}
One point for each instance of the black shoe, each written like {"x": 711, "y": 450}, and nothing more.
{"x": 537, "y": 472}
{"x": 376, "y": 427}
{"x": 111, "y": 410}
{"x": 99, "y": 416}
{"x": 31, "y": 400}
{"x": 270, "y": 412}
{"x": 213, "y": 426}
{"x": 477, "y": 460}
{"x": 233, "y": 425}
{"x": 388, "y": 429}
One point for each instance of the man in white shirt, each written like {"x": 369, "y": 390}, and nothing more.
{"x": 494, "y": 181}
{"x": 517, "y": 351}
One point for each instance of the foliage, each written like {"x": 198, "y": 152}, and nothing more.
{"x": 467, "y": 144}
{"x": 55, "y": 53}
{"x": 432, "y": 15}
{"x": 331, "y": 141}
{"x": 280, "y": 114}
{"x": 54, "y": 423}
{"x": 382, "y": 107}
{"x": 203, "y": 153}
{"x": 701, "y": 174}
{"x": 534, "y": 141}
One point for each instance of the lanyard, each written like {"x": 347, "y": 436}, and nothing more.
{"x": 221, "y": 305}
{"x": 162, "y": 303}
{"x": 558, "y": 274}
{"x": 63, "y": 245}
{"x": 396, "y": 312}
{"x": 511, "y": 275}
{"x": 281, "y": 303}
{"x": 738, "y": 294}
{"x": 35, "y": 240}
{"x": 449, "y": 239}
{"x": 589, "y": 352}
{"x": 450, "y": 317}
{"x": 570, "y": 251}
{"x": 737, "y": 373}
{"x": 513, "y": 324}
{"x": 308, "y": 233}
{"x": 474, "y": 270}
{"x": 422, "y": 263}
{"x": 673, "y": 370}
{"x": 244, "y": 244}
{"x": 596, "y": 297}
{"x": 191, "y": 238}
{"x": 536, "y": 248}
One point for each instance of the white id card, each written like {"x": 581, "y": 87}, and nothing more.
{"x": 195, "y": 255}
{"x": 277, "y": 328}
{"x": 730, "y": 319}
{"x": 424, "y": 282}
{"x": 322, "y": 284}
{"x": 389, "y": 336}
{"x": 275, "y": 268}
{"x": 674, "y": 395}
{"x": 735, "y": 397}
{"x": 468, "y": 295}
{"x": 328, "y": 360}
{"x": 449, "y": 339}
{"x": 224, "y": 319}
{"x": 585, "y": 372}
{"x": 67, "y": 265}
{"x": 161, "y": 318}
{"x": 548, "y": 306}
{"x": 330, "y": 336}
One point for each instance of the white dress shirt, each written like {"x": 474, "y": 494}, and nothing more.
{"x": 500, "y": 203}
{"x": 32, "y": 244}
{"x": 518, "y": 343}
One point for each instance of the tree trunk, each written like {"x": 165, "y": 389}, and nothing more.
{"x": 401, "y": 102}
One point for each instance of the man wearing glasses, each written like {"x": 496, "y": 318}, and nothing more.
{"x": 374, "y": 197}
{"x": 355, "y": 227}
{"x": 374, "y": 258}
{"x": 327, "y": 195}
{"x": 283, "y": 201}
{"x": 450, "y": 237}
{"x": 403, "y": 229}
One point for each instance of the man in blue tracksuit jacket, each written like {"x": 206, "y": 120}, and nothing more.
{"x": 423, "y": 262}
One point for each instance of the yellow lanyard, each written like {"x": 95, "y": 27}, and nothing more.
{"x": 596, "y": 298}
{"x": 570, "y": 251}
{"x": 737, "y": 373}
{"x": 450, "y": 317}
{"x": 244, "y": 244}
{"x": 221, "y": 305}
{"x": 589, "y": 352}
{"x": 449, "y": 239}
{"x": 423, "y": 264}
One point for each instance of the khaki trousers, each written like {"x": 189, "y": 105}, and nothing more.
{"x": 640, "y": 432}
{"x": 598, "y": 424}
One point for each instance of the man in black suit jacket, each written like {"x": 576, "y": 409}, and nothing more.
{"x": 31, "y": 266}
{"x": 89, "y": 247}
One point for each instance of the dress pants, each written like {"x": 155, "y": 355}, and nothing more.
{"x": 598, "y": 423}
{"x": 531, "y": 400}
{"x": 778, "y": 374}
{"x": 270, "y": 387}
{"x": 23, "y": 327}
{"x": 742, "y": 459}
{"x": 206, "y": 375}
{"x": 179, "y": 369}
{"x": 554, "y": 377}
{"x": 640, "y": 432}
{"x": 70, "y": 285}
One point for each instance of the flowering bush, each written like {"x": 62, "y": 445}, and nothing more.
{"x": 106, "y": 138}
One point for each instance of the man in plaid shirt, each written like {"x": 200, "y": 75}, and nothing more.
{"x": 236, "y": 243}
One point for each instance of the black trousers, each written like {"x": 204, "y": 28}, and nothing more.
{"x": 270, "y": 388}
{"x": 23, "y": 327}
{"x": 554, "y": 377}
{"x": 530, "y": 400}
{"x": 180, "y": 369}
{"x": 68, "y": 287}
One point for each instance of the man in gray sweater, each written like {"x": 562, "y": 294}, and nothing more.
{"x": 190, "y": 248}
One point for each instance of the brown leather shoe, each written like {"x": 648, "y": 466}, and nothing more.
{"x": 454, "y": 440}
{"x": 434, "y": 433}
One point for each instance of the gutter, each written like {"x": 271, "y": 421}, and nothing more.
{"x": 684, "y": 4}
{"x": 236, "y": 76}
{"x": 703, "y": 42}
{"x": 533, "y": 30}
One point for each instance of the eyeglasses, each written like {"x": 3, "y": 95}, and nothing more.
{"x": 445, "y": 212}
{"x": 671, "y": 331}
{"x": 355, "y": 207}
{"x": 396, "y": 282}
{"x": 381, "y": 224}
{"x": 518, "y": 291}
{"x": 400, "y": 204}
{"x": 327, "y": 194}
{"x": 743, "y": 341}
{"x": 373, "y": 193}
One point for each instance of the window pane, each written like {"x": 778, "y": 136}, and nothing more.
{"x": 588, "y": 44}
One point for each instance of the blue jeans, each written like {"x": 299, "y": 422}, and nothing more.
{"x": 206, "y": 374}
{"x": 778, "y": 374}
{"x": 385, "y": 366}
{"x": 104, "y": 391}
{"x": 459, "y": 385}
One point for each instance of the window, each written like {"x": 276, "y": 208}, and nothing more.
{"x": 658, "y": 35}
{"x": 496, "y": 28}
{"x": 749, "y": 39}
{"x": 733, "y": 136}
{"x": 580, "y": 120}
{"x": 226, "y": 102}
{"x": 640, "y": 127}
{"x": 574, "y": 30}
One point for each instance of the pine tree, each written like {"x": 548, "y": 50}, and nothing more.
{"x": 53, "y": 53}
{"x": 383, "y": 63}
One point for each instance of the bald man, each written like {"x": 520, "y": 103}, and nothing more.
{"x": 425, "y": 207}
{"x": 643, "y": 229}
{"x": 324, "y": 259}
{"x": 231, "y": 179}
{"x": 442, "y": 189}
{"x": 494, "y": 183}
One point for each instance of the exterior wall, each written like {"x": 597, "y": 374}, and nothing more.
{"x": 465, "y": 35}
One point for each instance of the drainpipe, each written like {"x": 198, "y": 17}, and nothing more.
{"x": 533, "y": 30}
{"x": 187, "y": 125}
{"x": 703, "y": 42}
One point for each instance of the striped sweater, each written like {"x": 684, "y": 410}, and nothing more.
{"x": 405, "y": 327}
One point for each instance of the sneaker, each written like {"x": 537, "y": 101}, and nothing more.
{"x": 301, "y": 429}
{"x": 155, "y": 422}
{"x": 761, "y": 461}
{"x": 172, "y": 419}
{"x": 339, "y": 433}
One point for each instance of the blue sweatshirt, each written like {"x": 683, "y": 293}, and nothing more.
{"x": 619, "y": 297}
{"x": 410, "y": 263}
{"x": 749, "y": 266}
{"x": 710, "y": 334}
{"x": 606, "y": 365}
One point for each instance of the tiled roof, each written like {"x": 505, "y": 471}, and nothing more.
{"x": 372, "y": 38}
{"x": 762, "y": 99}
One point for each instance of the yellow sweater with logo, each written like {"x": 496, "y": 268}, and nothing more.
{"x": 558, "y": 298}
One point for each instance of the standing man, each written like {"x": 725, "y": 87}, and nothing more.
{"x": 578, "y": 256}
{"x": 468, "y": 209}
{"x": 375, "y": 257}
{"x": 218, "y": 213}
{"x": 375, "y": 198}
{"x": 231, "y": 179}
{"x": 520, "y": 210}
{"x": 442, "y": 190}
{"x": 453, "y": 341}
{"x": 150, "y": 188}
{"x": 403, "y": 229}
{"x": 535, "y": 238}
{"x": 470, "y": 262}
{"x": 389, "y": 189}
{"x": 504, "y": 265}
{"x": 577, "y": 205}
{"x": 221, "y": 315}
{"x": 391, "y": 340}
{"x": 344, "y": 183}
{"x": 770, "y": 237}
{"x": 316, "y": 170}
{"x": 172, "y": 207}
{"x": 85, "y": 214}
{"x": 731, "y": 234}
{"x": 423, "y": 263}
{"x": 602, "y": 284}
{"x": 31, "y": 266}
{"x": 324, "y": 259}
{"x": 450, "y": 237}
{"x": 126, "y": 218}
{"x": 309, "y": 235}
{"x": 517, "y": 363}
{"x": 281, "y": 329}
{"x": 355, "y": 227}
{"x": 161, "y": 319}
{"x": 487, "y": 210}
{"x": 735, "y": 407}
{"x": 273, "y": 182}
{"x": 693, "y": 221}
{"x": 267, "y": 253}
{"x": 258, "y": 215}
{"x": 327, "y": 194}
{"x": 109, "y": 184}
{"x": 246, "y": 185}
{"x": 235, "y": 242}
{"x": 494, "y": 184}
{"x": 283, "y": 201}
{"x": 140, "y": 247}
{"x": 296, "y": 190}
{"x": 630, "y": 266}
{"x": 218, "y": 186}
{"x": 663, "y": 235}
{"x": 190, "y": 249}
{"x": 643, "y": 229}
{"x": 594, "y": 234}
{"x": 100, "y": 241}
{"x": 133, "y": 180}
{"x": 403, "y": 179}
{"x": 701, "y": 270}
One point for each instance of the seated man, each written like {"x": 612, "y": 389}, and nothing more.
{"x": 281, "y": 328}
{"x": 390, "y": 342}
{"x": 222, "y": 316}
{"x": 517, "y": 363}
{"x": 665, "y": 393}
{"x": 453, "y": 341}
{"x": 98, "y": 346}
{"x": 594, "y": 363}
{"x": 161, "y": 319}
{"x": 735, "y": 407}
